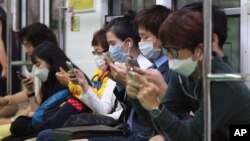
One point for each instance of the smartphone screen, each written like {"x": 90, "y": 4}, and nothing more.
{"x": 20, "y": 76}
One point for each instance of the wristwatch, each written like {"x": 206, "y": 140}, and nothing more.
{"x": 155, "y": 112}
{"x": 31, "y": 95}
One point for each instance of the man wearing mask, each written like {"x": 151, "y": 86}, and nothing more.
{"x": 148, "y": 22}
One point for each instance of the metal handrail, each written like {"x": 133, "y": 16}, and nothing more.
{"x": 206, "y": 65}
{"x": 61, "y": 24}
{"x": 21, "y": 63}
{"x": 9, "y": 46}
{"x": 229, "y": 77}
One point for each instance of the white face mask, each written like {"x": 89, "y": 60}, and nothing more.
{"x": 117, "y": 53}
{"x": 42, "y": 74}
{"x": 148, "y": 50}
{"x": 100, "y": 62}
{"x": 184, "y": 67}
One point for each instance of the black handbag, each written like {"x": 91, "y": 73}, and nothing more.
{"x": 92, "y": 131}
{"x": 22, "y": 126}
{"x": 86, "y": 125}
{"x": 85, "y": 119}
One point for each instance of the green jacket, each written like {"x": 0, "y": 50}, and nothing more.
{"x": 230, "y": 104}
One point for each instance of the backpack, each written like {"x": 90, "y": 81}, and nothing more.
{"x": 48, "y": 108}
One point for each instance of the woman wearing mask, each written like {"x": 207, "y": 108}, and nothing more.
{"x": 47, "y": 58}
{"x": 123, "y": 39}
{"x": 30, "y": 36}
{"x": 100, "y": 95}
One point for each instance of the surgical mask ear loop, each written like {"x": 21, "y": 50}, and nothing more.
{"x": 199, "y": 56}
{"x": 129, "y": 47}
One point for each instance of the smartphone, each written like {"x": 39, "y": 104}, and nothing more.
{"x": 108, "y": 57}
{"x": 132, "y": 75}
{"x": 133, "y": 63}
{"x": 20, "y": 76}
{"x": 71, "y": 68}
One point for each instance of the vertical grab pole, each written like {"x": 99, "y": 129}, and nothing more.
{"x": 9, "y": 46}
{"x": 61, "y": 26}
{"x": 206, "y": 65}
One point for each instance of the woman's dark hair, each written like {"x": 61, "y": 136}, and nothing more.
{"x": 55, "y": 57}
{"x": 183, "y": 28}
{"x": 99, "y": 38}
{"x": 123, "y": 27}
{"x": 36, "y": 33}
{"x": 151, "y": 18}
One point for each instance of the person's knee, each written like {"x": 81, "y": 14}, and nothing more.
{"x": 157, "y": 138}
{"x": 46, "y": 135}
{"x": 8, "y": 111}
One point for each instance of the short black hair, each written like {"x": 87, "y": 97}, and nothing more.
{"x": 36, "y": 33}
{"x": 99, "y": 38}
{"x": 151, "y": 18}
{"x": 219, "y": 20}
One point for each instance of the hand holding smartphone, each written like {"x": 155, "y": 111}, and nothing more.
{"x": 132, "y": 63}
{"x": 71, "y": 68}
{"x": 20, "y": 75}
{"x": 133, "y": 76}
{"x": 108, "y": 57}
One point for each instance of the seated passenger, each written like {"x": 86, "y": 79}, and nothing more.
{"x": 100, "y": 95}
{"x": 182, "y": 35}
{"x": 30, "y": 36}
{"x": 219, "y": 21}
{"x": 148, "y": 22}
{"x": 47, "y": 58}
{"x": 123, "y": 39}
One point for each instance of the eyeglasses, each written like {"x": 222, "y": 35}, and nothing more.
{"x": 98, "y": 53}
{"x": 173, "y": 50}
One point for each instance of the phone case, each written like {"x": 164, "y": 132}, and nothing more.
{"x": 70, "y": 66}
{"x": 132, "y": 75}
{"x": 132, "y": 63}
{"x": 108, "y": 57}
{"x": 20, "y": 76}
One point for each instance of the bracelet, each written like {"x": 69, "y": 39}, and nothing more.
{"x": 31, "y": 95}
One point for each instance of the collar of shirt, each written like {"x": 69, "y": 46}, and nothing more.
{"x": 161, "y": 60}
{"x": 143, "y": 62}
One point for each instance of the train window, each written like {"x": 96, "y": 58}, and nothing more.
{"x": 232, "y": 44}
{"x": 33, "y": 11}
{"x": 118, "y": 7}
{"x": 54, "y": 14}
{"x": 222, "y": 3}
{"x": 227, "y": 3}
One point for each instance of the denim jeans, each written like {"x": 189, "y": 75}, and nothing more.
{"x": 45, "y": 135}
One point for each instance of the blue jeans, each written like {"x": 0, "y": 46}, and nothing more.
{"x": 45, "y": 135}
